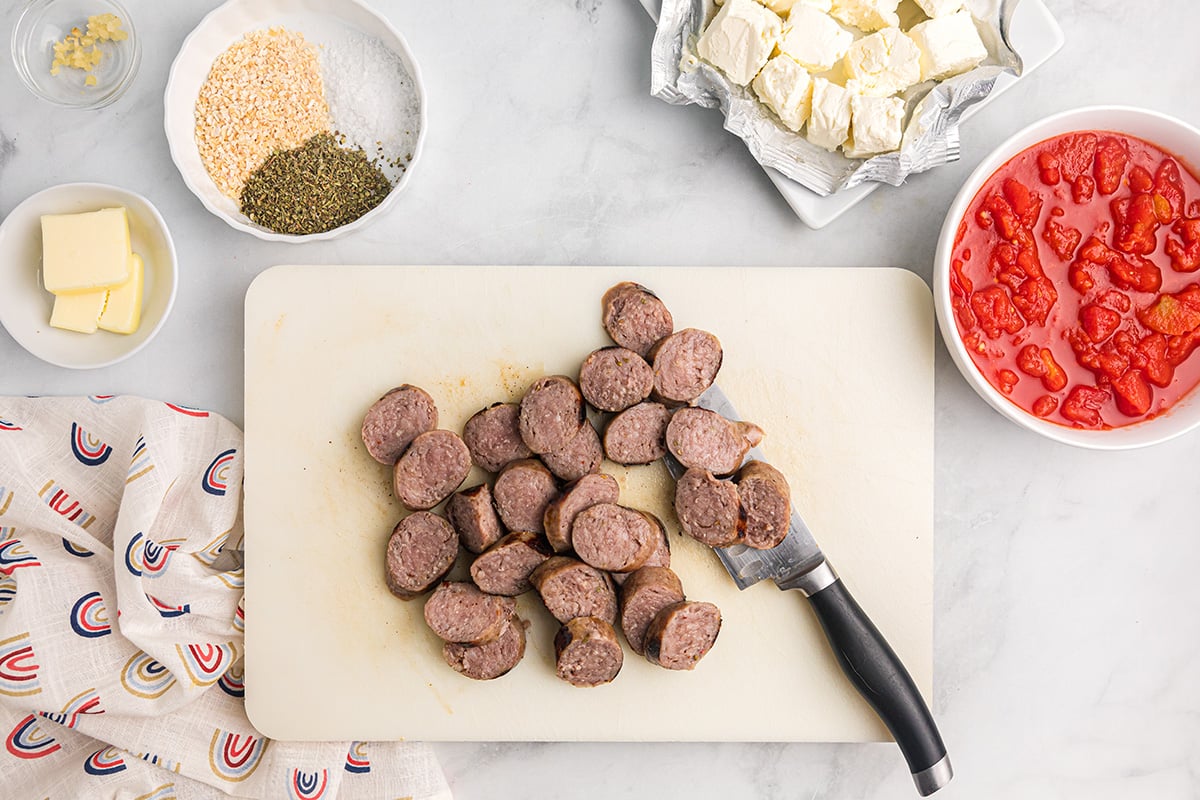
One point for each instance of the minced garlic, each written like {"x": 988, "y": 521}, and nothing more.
{"x": 79, "y": 50}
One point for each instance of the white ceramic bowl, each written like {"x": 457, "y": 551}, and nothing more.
{"x": 1168, "y": 133}
{"x": 25, "y": 306}
{"x": 320, "y": 21}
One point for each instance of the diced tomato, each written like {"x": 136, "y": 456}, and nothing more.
{"x": 1025, "y": 204}
{"x": 1151, "y": 358}
{"x": 1002, "y": 215}
{"x": 1135, "y": 272}
{"x": 1062, "y": 239}
{"x": 1140, "y": 180}
{"x": 1110, "y": 363}
{"x": 995, "y": 312}
{"x": 1083, "y": 189}
{"x": 1168, "y": 192}
{"x": 1137, "y": 224}
{"x": 1044, "y": 406}
{"x": 1083, "y": 405}
{"x": 1076, "y": 154}
{"x": 1118, "y": 301}
{"x": 1099, "y": 322}
{"x": 1080, "y": 277}
{"x": 1132, "y": 393}
{"x": 960, "y": 284}
{"x": 1034, "y": 299}
{"x": 1180, "y": 348}
{"x": 1111, "y": 159}
{"x": 1048, "y": 168}
{"x": 1185, "y": 251}
{"x": 1006, "y": 380}
{"x": 1174, "y": 314}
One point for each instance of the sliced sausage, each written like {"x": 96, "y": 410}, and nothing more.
{"x": 638, "y": 435}
{"x": 645, "y": 593}
{"x": 586, "y": 652}
{"x": 685, "y": 364}
{"x": 504, "y": 568}
{"x": 589, "y": 490}
{"x": 494, "y": 437}
{"x": 581, "y": 456}
{"x": 701, "y": 438}
{"x": 473, "y": 515}
{"x": 523, "y": 490}
{"x": 433, "y": 466}
{"x": 767, "y": 503}
{"x": 613, "y": 537}
{"x": 615, "y": 378}
{"x": 395, "y": 420}
{"x": 708, "y": 509}
{"x": 634, "y": 317}
{"x": 421, "y": 550}
{"x": 552, "y": 413}
{"x": 484, "y": 662}
{"x": 458, "y": 611}
{"x": 681, "y": 634}
{"x": 570, "y": 588}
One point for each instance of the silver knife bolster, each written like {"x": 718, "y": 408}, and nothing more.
{"x": 809, "y": 583}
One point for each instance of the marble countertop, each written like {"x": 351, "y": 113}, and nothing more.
{"x": 1067, "y": 648}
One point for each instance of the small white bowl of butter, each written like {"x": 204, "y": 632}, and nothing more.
{"x": 26, "y": 306}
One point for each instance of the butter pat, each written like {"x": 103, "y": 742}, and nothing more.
{"x": 940, "y": 8}
{"x": 123, "y": 309}
{"x": 829, "y": 124}
{"x": 85, "y": 252}
{"x": 883, "y": 63}
{"x": 786, "y": 88}
{"x": 814, "y": 39}
{"x": 78, "y": 312}
{"x": 949, "y": 45}
{"x": 740, "y": 39}
{"x": 867, "y": 15}
{"x": 878, "y": 125}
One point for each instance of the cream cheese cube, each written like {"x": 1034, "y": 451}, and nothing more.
{"x": 740, "y": 39}
{"x": 78, "y": 312}
{"x": 883, "y": 63}
{"x": 829, "y": 122}
{"x": 878, "y": 125}
{"x": 786, "y": 88}
{"x": 949, "y": 45}
{"x": 867, "y": 15}
{"x": 814, "y": 39}
{"x": 939, "y": 8}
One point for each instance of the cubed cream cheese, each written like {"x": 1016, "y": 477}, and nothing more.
{"x": 878, "y": 125}
{"x": 85, "y": 252}
{"x": 867, "y": 15}
{"x": 786, "y": 88}
{"x": 78, "y": 312}
{"x": 829, "y": 122}
{"x": 814, "y": 39}
{"x": 949, "y": 45}
{"x": 939, "y": 8}
{"x": 883, "y": 63}
{"x": 740, "y": 39}
{"x": 123, "y": 308}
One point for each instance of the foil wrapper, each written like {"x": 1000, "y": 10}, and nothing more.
{"x": 933, "y": 108}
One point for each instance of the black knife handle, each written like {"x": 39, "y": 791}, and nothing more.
{"x": 875, "y": 670}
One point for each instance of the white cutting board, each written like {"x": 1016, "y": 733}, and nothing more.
{"x": 835, "y": 364}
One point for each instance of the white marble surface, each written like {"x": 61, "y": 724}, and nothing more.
{"x": 1067, "y": 644}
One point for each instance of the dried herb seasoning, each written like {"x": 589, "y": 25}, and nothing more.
{"x": 313, "y": 188}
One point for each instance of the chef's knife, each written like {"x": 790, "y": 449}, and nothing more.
{"x": 862, "y": 652}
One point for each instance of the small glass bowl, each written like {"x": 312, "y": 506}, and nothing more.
{"x": 44, "y": 22}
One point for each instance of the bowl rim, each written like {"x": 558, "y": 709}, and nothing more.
{"x": 23, "y": 69}
{"x": 272, "y": 236}
{"x": 172, "y": 269}
{"x": 1140, "y": 434}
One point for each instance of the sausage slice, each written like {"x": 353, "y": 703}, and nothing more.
{"x": 615, "y": 378}
{"x": 581, "y": 456}
{"x": 685, "y": 364}
{"x": 421, "y": 549}
{"x": 395, "y": 420}
{"x": 433, "y": 466}
{"x": 473, "y": 516}
{"x": 681, "y": 634}
{"x": 613, "y": 537}
{"x": 634, "y": 317}
{"x": 709, "y": 510}
{"x": 638, "y": 435}
{"x": 701, "y": 438}
{"x": 504, "y": 568}
{"x": 484, "y": 662}
{"x": 586, "y": 652}
{"x": 570, "y": 588}
{"x": 767, "y": 503}
{"x": 457, "y": 611}
{"x": 552, "y": 413}
{"x": 587, "y": 491}
{"x": 522, "y": 492}
{"x": 644, "y": 594}
{"x": 494, "y": 437}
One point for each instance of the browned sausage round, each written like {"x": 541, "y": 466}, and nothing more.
{"x": 484, "y": 662}
{"x": 586, "y": 652}
{"x": 581, "y": 456}
{"x": 634, "y": 317}
{"x": 615, "y": 378}
{"x": 589, "y": 490}
{"x": 701, "y": 438}
{"x": 395, "y": 420}
{"x": 458, "y": 612}
{"x": 685, "y": 364}
{"x": 681, "y": 634}
{"x": 613, "y": 538}
{"x": 504, "y": 568}
{"x": 643, "y": 595}
{"x": 552, "y": 413}
{"x": 421, "y": 549}
{"x": 473, "y": 515}
{"x": 767, "y": 502}
{"x": 433, "y": 466}
{"x": 570, "y": 588}
{"x": 523, "y": 490}
{"x": 638, "y": 435}
{"x": 709, "y": 510}
{"x": 494, "y": 437}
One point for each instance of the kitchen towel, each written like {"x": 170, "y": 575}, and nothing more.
{"x": 121, "y": 618}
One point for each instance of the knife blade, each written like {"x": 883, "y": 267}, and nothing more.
{"x": 862, "y": 652}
